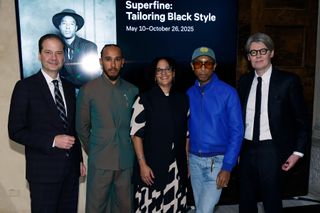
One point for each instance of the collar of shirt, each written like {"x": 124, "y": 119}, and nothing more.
{"x": 51, "y": 86}
{"x": 49, "y": 79}
{"x": 108, "y": 81}
{"x": 73, "y": 44}
{"x": 265, "y": 77}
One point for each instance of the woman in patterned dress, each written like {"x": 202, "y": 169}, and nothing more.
{"x": 159, "y": 125}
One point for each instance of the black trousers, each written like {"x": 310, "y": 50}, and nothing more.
{"x": 260, "y": 177}
{"x": 60, "y": 197}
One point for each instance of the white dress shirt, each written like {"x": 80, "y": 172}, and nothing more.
{"x": 51, "y": 87}
{"x": 265, "y": 133}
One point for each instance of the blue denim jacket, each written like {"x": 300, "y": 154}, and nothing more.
{"x": 215, "y": 122}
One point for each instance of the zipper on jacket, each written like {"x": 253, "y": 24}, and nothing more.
{"x": 201, "y": 118}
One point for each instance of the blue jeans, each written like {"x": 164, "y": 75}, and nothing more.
{"x": 203, "y": 175}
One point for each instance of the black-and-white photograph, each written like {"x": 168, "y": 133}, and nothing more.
{"x": 84, "y": 26}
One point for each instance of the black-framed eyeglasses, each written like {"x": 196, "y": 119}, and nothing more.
{"x": 164, "y": 70}
{"x": 206, "y": 64}
{"x": 262, "y": 51}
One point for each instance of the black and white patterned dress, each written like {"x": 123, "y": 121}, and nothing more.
{"x": 172, "y": 196}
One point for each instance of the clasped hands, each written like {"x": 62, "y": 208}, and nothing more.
{"x": 64, "y": 141}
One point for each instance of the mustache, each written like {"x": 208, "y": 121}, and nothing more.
{"x": 112, "y": 69}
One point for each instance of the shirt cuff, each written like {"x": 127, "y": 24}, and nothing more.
{"x": 299, "y": 154}
{"x": 54, "y": 143}
{"x": 227, "y": 167}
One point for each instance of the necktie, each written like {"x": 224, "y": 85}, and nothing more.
{"x": 60, "y": 104}
{"x": 70, "y": 53}
{"x": 256, "y": 124}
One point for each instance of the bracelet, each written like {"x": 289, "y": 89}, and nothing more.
{"x": 140, "y": 158}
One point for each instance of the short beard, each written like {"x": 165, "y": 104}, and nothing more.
{"x": 112, "y": 78}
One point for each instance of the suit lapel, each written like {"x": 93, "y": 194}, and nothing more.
{"x": 273, "y": 93}
{"x": 44, "y": 89}
{"x": 247, "y": 89}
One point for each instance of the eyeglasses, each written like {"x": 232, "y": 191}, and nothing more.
{"x": 262, "y": 51}
{"x": 164, "y": 70}
{"x": 199, "y": 64}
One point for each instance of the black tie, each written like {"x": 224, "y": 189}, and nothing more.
{"x": 60, "y": 104}
{"x": 257, "y": 111}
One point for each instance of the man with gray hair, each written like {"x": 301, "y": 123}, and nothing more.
{"x": 276, "y": 129}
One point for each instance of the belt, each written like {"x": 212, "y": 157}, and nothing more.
{"x": 262, "y": 141}
{"x": 206, "y": 155}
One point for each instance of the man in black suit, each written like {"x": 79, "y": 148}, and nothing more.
{"x": 79, "y": 51}
{"x": 52, "y": 150}
{"x": 275, "y": 127}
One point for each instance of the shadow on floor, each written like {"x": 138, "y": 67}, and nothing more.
{"x": 304, "y": 209}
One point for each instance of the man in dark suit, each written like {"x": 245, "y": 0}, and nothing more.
{"x": 52, "y": 150}
{"x": 79, "y": 51}
{"x": 275, "y": 127}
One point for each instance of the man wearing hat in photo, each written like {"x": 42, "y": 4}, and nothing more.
{"x": 68, "y": 22}
{"x": 215, "y": 131}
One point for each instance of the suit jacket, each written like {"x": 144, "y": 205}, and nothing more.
{"x": 73, "y": 69}
{"x": 286, "y": 110}
{"x": 103, "y": 122}
{"x": 34, "y": 122}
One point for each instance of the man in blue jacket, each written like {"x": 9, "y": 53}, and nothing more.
{"x": 216, "y": 131}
